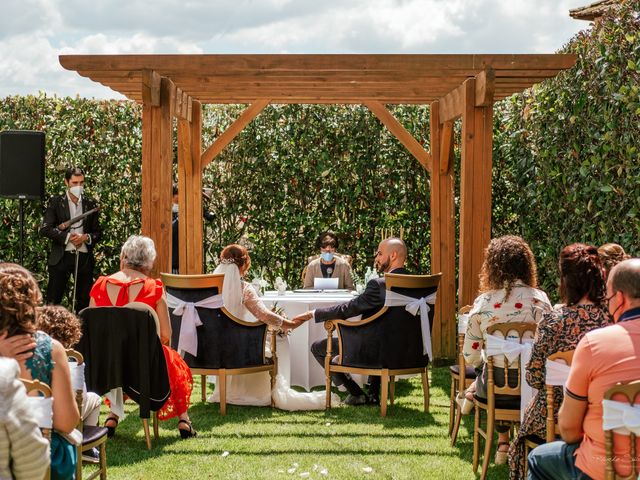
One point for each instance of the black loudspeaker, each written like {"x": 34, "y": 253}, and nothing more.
{"x": 22, "y": 164}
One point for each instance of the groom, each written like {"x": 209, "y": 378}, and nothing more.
{"x": 390, "y": 258}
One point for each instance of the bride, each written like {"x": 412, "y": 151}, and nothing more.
{"x": 241, "y": 299}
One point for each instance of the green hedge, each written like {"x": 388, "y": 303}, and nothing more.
{"x": 565, "y": 168}
{"x": 566, "y": 152}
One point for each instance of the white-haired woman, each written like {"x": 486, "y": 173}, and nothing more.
{"x": 132, "y": 284}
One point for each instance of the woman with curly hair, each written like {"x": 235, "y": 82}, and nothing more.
{"x": 508, "y": 293}
{"x": 19, "y": 299}
{"x": 63, "y": 326}
{"x": 582, "y": 291}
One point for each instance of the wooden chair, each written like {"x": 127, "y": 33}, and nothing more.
{"x": 227, "y": 345}
{"x": 92, "y": 436}
{"x": 111, "y": 334}
{"x": 392, "y": 337}
{"x": 459, "y": 383}
{"x": 497, "y": 408}
{"x": 630, "y": 392}
{"x": 44, "y": 391}
{"x": 533, "y": 441}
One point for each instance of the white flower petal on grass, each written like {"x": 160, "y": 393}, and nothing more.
{"x": 324, "y": 471}
{"x": 305, "y": 474}
{"x": 291, "y": 470}
{"x": 367, "y": 469}
{"x": 328, "y": 424}
{"x": 294, "y": 464}
{"x": 315, "y": 467}
{"x": 225, "y": 454}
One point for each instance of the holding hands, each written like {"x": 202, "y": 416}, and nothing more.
{"x": 303, "y": 317}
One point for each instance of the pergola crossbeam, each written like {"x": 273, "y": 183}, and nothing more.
{"x": 401, "y": 133}
{"x": 233, "y": 130}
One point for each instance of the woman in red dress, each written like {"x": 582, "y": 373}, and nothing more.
{"x": 131, "y": 284}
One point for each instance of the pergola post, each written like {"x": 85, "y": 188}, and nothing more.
{"x": 475, "y": 191}
{"x": 190, "y": 229}
{"x": 157, "y": 163}
{"x": 443, "y": 239}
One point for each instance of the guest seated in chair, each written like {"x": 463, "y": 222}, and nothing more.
{"x": 132, "y": 284}
{"x": 582, "y": 291}
{"x": 610, "y": 255}
{"x": 24, "y": 452}
{"x": 329, "y": 264}
{"x": 63, "y": 326}
{"x": 603, "y": 358}
{"x": 390, "y": 258}
{"x": 19, "y": 299}
{"x": 508, "y": 293}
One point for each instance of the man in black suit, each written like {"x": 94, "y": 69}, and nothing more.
{"x": 77, "y": 239}
{"x": 390, "y": 258}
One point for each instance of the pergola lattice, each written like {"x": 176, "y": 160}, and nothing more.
{"x": 466, "y": 86}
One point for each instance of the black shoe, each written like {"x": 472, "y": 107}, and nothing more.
{"x": 111, "y": 431}
{"x": 91, "y": 456}
{"x": 373, "y": 399}
{"x": 354, "y": 400}
{"x": 184, "y": 433}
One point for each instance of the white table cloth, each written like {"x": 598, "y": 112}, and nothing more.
{"x": 305, "y": 371}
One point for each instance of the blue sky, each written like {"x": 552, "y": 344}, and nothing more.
{"x": 34, "y": 32}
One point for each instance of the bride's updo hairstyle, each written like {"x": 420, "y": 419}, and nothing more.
{"x": 19, "y": 297}
{"x": 236, "y": 254}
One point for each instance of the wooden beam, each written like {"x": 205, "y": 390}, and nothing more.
{"x": 401, "y": 133}
{"x": 234, "y": 129}
{"x": 452, "y": 104}
{"x": 157, "y": 166}
{"x": 446, "y": 146}
{"x": 485, "y": 87}
{"x": 151, "y": 88}
{"x": 475, "y": 192}
{"x": 443, "y": 244}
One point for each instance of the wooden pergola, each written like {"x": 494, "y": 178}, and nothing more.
{"x": 466, "y": 86}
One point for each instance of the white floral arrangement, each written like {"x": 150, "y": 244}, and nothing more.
{"x": 258, "y": 282}
{"x": 361, "y": 283}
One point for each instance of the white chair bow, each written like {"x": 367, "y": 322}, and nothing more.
{"x": 557, "y": 373}
{"x": 188, "y": 340}
{"x": 42, "y": 410}
{"x": 77, "y": 375}
{"x": 512, "y": 349}
{"x": 413, "y": 305}
{"x": 620, "y": 417}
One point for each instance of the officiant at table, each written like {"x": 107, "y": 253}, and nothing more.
{"x": 329, "y": 264}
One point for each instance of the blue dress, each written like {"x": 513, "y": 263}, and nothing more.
{"x": 63, "y": 453}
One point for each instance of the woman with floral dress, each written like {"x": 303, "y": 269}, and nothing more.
{"x": 582, "y": 290}
{"x": 508, "y": 294}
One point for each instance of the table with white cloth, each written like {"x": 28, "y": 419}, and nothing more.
{"x": 305, "y": 370}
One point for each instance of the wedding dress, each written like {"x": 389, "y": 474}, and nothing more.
{"x": 241, "y": 300}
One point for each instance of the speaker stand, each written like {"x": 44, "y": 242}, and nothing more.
{"x": 21, "y": 199}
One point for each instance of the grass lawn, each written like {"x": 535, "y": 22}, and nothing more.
{"x": 343, "y": 443}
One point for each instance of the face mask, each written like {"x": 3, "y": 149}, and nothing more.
{"x": 327, "y": 256}
{"x": 76, "y": 190}
{"x": 174, "y": 207}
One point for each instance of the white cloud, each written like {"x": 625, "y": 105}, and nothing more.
{"x": 34, "y": 32}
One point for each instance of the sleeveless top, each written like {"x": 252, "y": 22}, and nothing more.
{"x": 150, "y": 293}
{"x": 41, "y": 364}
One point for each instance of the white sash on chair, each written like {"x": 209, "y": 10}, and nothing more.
{"x": 557, "y": 373}
{"x": 512, "y": 349}
{"x": 42, "y": 410}
{"x": 77, "y": 375}
{"x": 620, "y": 417}
{"x": 463, "y": 322}
{"x": 413, "y": 305}
{"x": 188, "y": 340}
